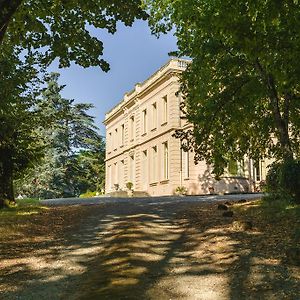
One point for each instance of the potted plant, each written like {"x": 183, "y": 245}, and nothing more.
{"x": 181, "y": 191}
{"x": 129, "y": 186}
{"x": 211, "y": 190}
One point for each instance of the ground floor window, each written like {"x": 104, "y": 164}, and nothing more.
{"x": 165, "y": 161}
{"x": 236, "y": 168}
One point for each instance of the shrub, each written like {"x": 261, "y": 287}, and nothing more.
{"x": 88, "y": 194}
{"x": 129, "y": 185}
{"x": 181, "y": 190}
{"x": 284, "y": 178}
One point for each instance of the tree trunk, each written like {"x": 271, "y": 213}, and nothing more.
{"x": 6, "y": 177}
{"x": 281, "y": 120}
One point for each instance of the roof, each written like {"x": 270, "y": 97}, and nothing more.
{"x": 174, "y": 64}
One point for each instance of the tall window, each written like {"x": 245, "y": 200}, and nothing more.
{"x": 122, "y": 134}
{"x": 154, "y": 115}
{"x": 116, "y": 176}
{"x": 257, "y": 170}
{"x": 236, "y": 168}
{"x": 165, "y": 109}
{"x": 132, "y": 168}
{"x": 121, "y": 174}
{"x": 132, "y": 128}
{"x": 109, "y": 183}
{"x": 185, "y": 164}
{"x": 144, "y": 116}
{"x": 165, "y": 161}
{"x": 109, "y": 142}
{"x": 145, "y": 169}
{"x": 116, "y": 139}
{"x": 154, "y": 166}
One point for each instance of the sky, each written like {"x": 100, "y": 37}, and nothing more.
{"x": 133, "y": 54}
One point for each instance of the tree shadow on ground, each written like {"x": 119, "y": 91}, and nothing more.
{"x": 143, "y": 251}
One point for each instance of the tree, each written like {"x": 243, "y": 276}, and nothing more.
{"x": 20, "y": 142}
{"x": 60, "y": 28}
{"x": 241, "y": 91}
{"x": 86, "y": 170}
{"x": 71, "y": 130}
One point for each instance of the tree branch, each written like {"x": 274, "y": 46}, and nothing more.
{"x": 281, "y": 120}
{"x": 7, "y": 10}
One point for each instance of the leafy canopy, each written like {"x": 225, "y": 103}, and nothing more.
{"x": 60, "y": 28}
{"x": 241, "y": 91}
{"x": 74, "y": 153}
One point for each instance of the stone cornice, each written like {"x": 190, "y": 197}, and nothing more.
{"x": 171, "y": 68}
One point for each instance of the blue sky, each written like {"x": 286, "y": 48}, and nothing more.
{"x": 133, "y": 53}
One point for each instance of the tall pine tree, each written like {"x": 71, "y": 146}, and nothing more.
{"x": 71, "y": 130}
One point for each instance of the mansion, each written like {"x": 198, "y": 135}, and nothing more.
{"x": 141, "y": 149}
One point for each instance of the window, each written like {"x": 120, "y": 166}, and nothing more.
{"x": 165, "y": 109}
{"x": 186, "y": 164}
{"x": 144, "y": 116}
{"x": 121, "y": 174}
{"x": 232, "y": 167}
{"x": 132, "y": 168}
{"x": 153, "y": 165}
{"x": 145, "y": 169}
{"x": 257, "y": 173}
{"x": 109, "y": 181}
{"x": 116, "y": 178}
{"x": 236, "y": 168}
{"x": 154, "y": 115}
{"x": 109, "y": 142}
{"x": 116, "y": 139}
{"x": 132, "y": 128}
{"x": 165, "y": 161}
{"x": 122, "y": 134}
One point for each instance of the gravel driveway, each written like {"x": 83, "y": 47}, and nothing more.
{"x": 147, "y": 248}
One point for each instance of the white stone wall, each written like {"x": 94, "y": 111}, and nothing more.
{"x": 163, "y": 84}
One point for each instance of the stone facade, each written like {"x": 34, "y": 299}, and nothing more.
{"x": 140, "y": 147}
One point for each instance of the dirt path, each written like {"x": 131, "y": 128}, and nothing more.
{"x": 143, "y": 251}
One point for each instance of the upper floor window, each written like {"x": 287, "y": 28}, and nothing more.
{"x": 131, "y": 121}
{"x": 109, "y": 142}
{"x": 122, "y": 134}
{"x": 165, "y": 109}
{"x": 154, "y": 115}
{"x": 144, "y": 118}
{"x": 116, "y": 139}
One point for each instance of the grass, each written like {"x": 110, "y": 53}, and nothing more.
{"x": 13, "y": 218}
{"x": 278, "y": 215}
{"x": 24, "y": 207}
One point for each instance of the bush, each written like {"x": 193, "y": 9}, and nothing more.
{"x": 129, "y": 185}
{"x": 88, "y": 194}
{"x": 284, "y": 178}
{"x": 181, "y": 190}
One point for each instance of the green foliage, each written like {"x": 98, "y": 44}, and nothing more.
{"x": 181, "y": 190}
{"x": 64, "y": 29}
{"x": 21, "y": 145}
{"x": 74, "y": 160}
{"x": 241, "y": 91}
{"x": 129, "y": 185}
{"x": 283, "y": 180}
{"x": 88, "y": 194}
